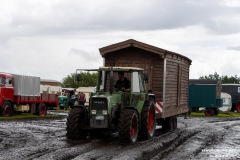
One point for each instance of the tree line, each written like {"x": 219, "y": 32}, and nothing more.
{"x": 87, "y": 80}
{"x": 224, "y": 78}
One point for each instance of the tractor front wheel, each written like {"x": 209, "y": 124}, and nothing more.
{"x": 148, "y": 121}
{"x": 75, "y": 122}
{"x": 128, "y": 126}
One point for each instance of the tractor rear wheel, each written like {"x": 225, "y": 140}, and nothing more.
{"x": 7, "y": 109}
{"x": 75, "y": 122}
{"x": 128, "y": 126}
{"x": 148, "y": 121}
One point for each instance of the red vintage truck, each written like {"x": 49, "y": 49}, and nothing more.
{"x": 22, "y": 94}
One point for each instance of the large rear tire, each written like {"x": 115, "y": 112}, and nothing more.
{"x": 7, "y": 109}
{"x": 128, "y": 126}
{"x": 148, "y": 121}
{"x": 75, "y": 122}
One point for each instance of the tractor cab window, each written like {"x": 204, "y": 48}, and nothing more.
{"x": 138, "y": 83}
{"x": 122, "y": 81}
{"x": 110, "y": 79}
{"x": 102, "y": 80}
{"x": 2, "y": 81}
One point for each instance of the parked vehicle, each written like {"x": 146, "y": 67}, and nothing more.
{"x": 205, "y": 94}
{"x": 158, "y": 92}
{"x": 22, "y": 94}
{"x": 67, "y": 98}
{"x": 227, "y": 102}
{"x": 234, "y": 91}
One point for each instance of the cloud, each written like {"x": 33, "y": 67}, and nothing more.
{"x": 236, "y": 48}
{"x": 53, "y": 38}
{"x": 69, "y": 17}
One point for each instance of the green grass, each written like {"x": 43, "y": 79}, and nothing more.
{"x": 228, "y": 114}
{"x": 25, "y": 116}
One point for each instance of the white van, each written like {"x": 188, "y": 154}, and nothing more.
{"x": 227, "y": 102}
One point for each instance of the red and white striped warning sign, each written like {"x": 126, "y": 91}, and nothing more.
{"x": 159, "y": 107}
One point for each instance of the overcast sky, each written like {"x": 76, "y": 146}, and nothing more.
{"x": 52, "y": 38}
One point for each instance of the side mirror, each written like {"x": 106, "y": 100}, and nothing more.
{"x": 145, "y": 76}
{"x": 78, "y": 77}
{"x": 10, "y": 81}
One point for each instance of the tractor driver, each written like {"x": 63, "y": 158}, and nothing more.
{"x": 122, "y": 84}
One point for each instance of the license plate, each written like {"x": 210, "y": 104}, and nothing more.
{"x": 99, "y": 117}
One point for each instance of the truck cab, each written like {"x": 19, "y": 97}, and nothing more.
{"x": 6, "y": 93}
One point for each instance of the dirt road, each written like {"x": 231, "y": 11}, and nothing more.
{"x": 195, "y": 138}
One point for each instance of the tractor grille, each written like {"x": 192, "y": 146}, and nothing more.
{"x": 99, "y": 104}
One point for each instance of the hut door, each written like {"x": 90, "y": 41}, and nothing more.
{"x": 146, "y": 65}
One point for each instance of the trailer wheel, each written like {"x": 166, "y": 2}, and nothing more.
{"x": 75, "y": 122}
{"x": 238, "y": 107}
{"x": 148, "y": 121}
{"x": 7, "y": 109}
{"x": 42, "y": 109}
{"x": 169, "y": 123}
{"x": 174, "y": 122}
{"x": 209, "y": 112}
{"x": 128, "y": 126}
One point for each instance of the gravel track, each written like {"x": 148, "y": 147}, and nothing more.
{"x": 195, "y": 138}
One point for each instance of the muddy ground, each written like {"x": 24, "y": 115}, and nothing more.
{"x": 196, "y": 138}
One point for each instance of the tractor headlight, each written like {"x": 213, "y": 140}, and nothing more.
{"x": 94, "y": 111}
{"x": 104, "y": 112}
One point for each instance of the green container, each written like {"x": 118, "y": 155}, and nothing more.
{"x": 205, "y": 95}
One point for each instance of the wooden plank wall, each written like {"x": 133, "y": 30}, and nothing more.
{"x": 176, "y": 97}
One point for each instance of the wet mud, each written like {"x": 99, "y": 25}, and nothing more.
{"x": 195, "y": 138}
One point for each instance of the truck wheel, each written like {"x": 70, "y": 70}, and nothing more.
{"x": 7, "y": 109}
{"x": 209, "y": 112}
{"x": 42, "y": 109}
{"x": 174, "y": 122}
{"x": 238, "y": 107}
{"x": 75, "y": 122}
{"x": 148, "y": 121}
{"x": 128, "y": 126}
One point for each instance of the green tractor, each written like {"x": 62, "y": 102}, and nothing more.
{"x": 128, "y": 111}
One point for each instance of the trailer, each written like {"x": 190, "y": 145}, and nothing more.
{"x": 234, "y": 91}
{"x": 205, "y": 94}
{"x": 168, "y": 73}
{"x": 21, "y": 93}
